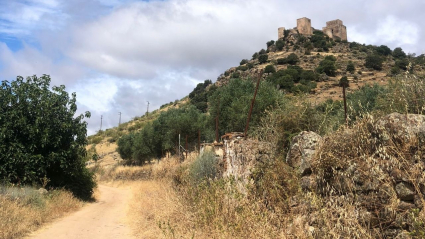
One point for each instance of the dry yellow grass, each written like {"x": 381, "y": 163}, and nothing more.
{"x": 21, "y": 215}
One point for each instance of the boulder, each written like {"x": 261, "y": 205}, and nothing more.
{"x": 42, "y": 191}
{"x": 302, "y": 150}
{"x": 401, "y": 127}
{"x": 405, "y": 192}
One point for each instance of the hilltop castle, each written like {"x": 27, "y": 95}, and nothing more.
{"x": 334, "y": 29}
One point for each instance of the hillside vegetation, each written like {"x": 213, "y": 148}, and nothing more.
{"x": 299, "y": 90}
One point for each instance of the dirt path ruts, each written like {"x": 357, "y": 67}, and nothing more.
{"x": 100, "y": 220}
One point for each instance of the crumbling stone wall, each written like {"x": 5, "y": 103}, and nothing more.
{"x": 280, "y": 32}
{"x": 304, "y": 26}
{"x": 240, "y": 157}
{"x": 335, "y": 28}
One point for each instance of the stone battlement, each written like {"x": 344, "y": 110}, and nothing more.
{"x": 334, "y": 29}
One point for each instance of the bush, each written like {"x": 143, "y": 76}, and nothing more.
{"x": 350, "y": 67}
{"x": 270, "y": 43}
{"x": 243, "y": 62}
{"x": 263, "y": 58}
{"x": 399, "y": 53}
{"x": 269, "y": 69}
{"x": 205, "y": 167}
{"x": 327, "y": 66}
{"x": 292, "y": 59}
{"x": 280, "y": 44}
{"x": 41, "y": 138}
{"x": 374, "y": 62}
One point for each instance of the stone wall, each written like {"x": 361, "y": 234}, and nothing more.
{"x": 335, "y": 28}
{"x": 304, "y": 26}
{"x": 240, "y": 157}
{"x": 280, "y": 32}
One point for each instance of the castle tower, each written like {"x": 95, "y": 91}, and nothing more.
{"x": 280, "y": 33}
{"x": 304, "y": 26}
{"x": 335, "y": 28}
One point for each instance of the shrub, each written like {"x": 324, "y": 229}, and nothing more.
{"x": 236, "y": 74}
{"x": 263, "y": 58}
{"x": 383, "y": 50}
{"x": 350, "y": 67}
{"x": 255, "y": 56}
{"x": 280, "y": 44}
{"x": 402, "y": 63}
{"x": 269, "y": 69}
{"x": 270, "y": 43}
{"x": 41, "y": 138}
{"x": 327, "y": 67}
{"x": 292, "y": 59}
{"x": 399, "y": 53}
{"x": 374, "y": 62}
{"x": 243, "y": 62}
{"x": 281, "y": 61}
{"x": 205, "y": 167}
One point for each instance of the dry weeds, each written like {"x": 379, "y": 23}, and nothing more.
{"x": 25, "y": 211}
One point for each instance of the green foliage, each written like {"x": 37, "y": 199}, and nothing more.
{"x": 233, "y": 102}
{"x": 39, "y": 136}
{"x": 350, "y": 67}
{"x": 204, "y": 167}
{"x": 327, "y": 66}
{"x": 243, "y": 62}
{"x": 383, "y": 50}
{"x": 263, "y": 58}
{"x": 343, "y": 82}
{"x": 270, "y": 43}
{"x": 309, "y": 76}
{"x": 399, "y": 53}
{"x": 199, "y": 96}
{"x": 292, "y": 59}
{"x": 280, "y": 44}
{"x": 374, "y": 62}
{"x": 269, "y": 69}
{"x": 402, "y": 63}
{"x": 255, "y": 56}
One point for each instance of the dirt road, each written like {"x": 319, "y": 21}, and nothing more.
{"x": 103, "y": 219}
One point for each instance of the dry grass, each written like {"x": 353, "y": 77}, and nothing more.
{"x": 24, "y": 210}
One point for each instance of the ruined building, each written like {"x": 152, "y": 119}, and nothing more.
{"x": 334, "y": 29}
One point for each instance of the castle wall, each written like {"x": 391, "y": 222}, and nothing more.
{"x": 304, "y": 26}
{"x": 336, "y": 28}
{"x": 280, "y": 33}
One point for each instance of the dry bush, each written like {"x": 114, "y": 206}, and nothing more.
{"x": 23, "y": 210}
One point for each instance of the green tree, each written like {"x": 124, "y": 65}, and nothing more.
{"x": 327, "y": 66}
{"x": 399, "y": 53}
{"x": 39, "y": 136}
{"x": 270, "y": 43}
{"x": 243, "y": 62}
{"x": 374, "y": 62}
{"x": 292, "y": 59}
{"x": 263, "y": 58}
{"x": 383, "y": 50}
{"x": 280, "y": 44}
{"x": 350, "y": 67}
{"x": 269, "y": 69}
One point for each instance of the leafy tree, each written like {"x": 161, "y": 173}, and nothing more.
{"x": 255, "y": 56}
{"x": 262, "y": 52}
{"x": 402, "y": 63}
{"x": 243, "y": 62}
{"x": 269, "y": 69}
{"x": 308, "y": 76}
{"x": 374, "y": 62}
{"x": 399, "y": 53}
{"x": 263, "y": 58}
{"x": 280, "y": 44}
{"x": 350, "y": 67}
{"x": 270, "y": 43}
{"x": 39, "y": 136}
{"x": 383, "y": 50}
{"x": 292, "y": 59}
{"x": 327, "y": 66}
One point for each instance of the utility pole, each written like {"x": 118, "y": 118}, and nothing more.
{"x": 119, "y": 122}
{"x": 147, "y": 111}
{"x": 101, "y": 119}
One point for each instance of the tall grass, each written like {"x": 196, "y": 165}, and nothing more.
{"x": 23, "y": 210}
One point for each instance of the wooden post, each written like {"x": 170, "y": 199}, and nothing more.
{"x": 252, "y": 104}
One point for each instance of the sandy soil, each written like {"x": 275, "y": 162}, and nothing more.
{"x": 103, "y": 219}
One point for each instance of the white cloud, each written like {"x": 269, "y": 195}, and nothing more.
{"x": 394, "y": 30}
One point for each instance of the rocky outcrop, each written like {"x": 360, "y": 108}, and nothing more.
{"x": 401, "y": 127}
{"x": 303, "y": 147}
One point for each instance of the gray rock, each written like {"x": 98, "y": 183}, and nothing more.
{"x": 303, "y": 147}
{"x": 402, "y": 127}
{"x": 42, "y": 191}
{"x": 308, "y": 183}
{"x": 405, "y": 192}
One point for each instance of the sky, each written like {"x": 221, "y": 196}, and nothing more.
{"x": 118, "y": 55}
